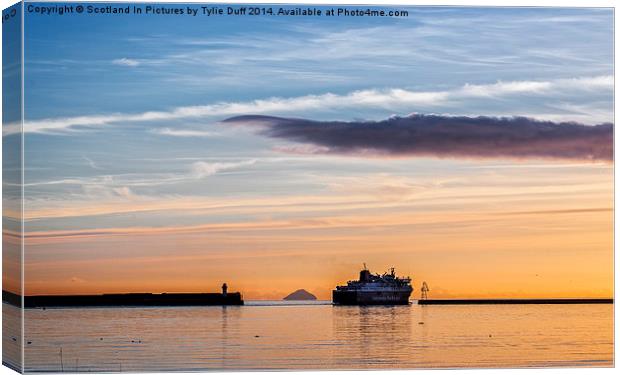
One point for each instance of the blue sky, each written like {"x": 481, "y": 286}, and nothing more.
{"x": 123, "y": 112}
{"x": 156, "y": 87}
{"x": 106, "y": 64}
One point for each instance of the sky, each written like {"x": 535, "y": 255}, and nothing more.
{"x": 466, "y": 147}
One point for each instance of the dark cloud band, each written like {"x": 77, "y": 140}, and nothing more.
{"x": 443, "y": 136}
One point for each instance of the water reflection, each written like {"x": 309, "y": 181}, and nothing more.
{"x": 281, "y": 336}
{"x": 368, "y": 330}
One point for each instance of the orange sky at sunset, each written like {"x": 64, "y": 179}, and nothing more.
{"x": 515, "y": 230}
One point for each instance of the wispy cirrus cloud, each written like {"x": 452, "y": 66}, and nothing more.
{"x": 443, "y": 136}
{"x": 183, "y": 132}
{"x": 201, "y": 169}
{"x": 344, "y": 221}
{"x": 121, "y": 185}
{"x": 397, "y": 100}
{"x": 91, "y": 163}
{"x": 126, "y": 62}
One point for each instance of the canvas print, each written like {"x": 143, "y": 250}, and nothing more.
{"x": 203, "y": 186}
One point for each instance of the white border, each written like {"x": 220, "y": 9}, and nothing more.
{"x": 495, "y": 3}
{"x": 505, "y": 3}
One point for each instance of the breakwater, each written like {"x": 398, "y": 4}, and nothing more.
{"x": 125, "y": 299}
{"x": 552, "y": 301}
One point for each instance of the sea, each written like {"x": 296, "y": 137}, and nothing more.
{"x": 277, "y": 335}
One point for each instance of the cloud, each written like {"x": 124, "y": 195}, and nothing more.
{"x": 91, "y": 163}
{"x": 124, "y": 192}
{"x": 183, "y": 132}
{"x": 126, "y": 187}
{"x": 398, "y": 100}
{"x": 443, "y": 136}
{"x": 126, "y": 62}
{"x": 456, "y": 41}
{"x": 202, "y": 169}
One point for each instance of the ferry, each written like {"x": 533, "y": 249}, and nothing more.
{"x": 374, "y": 289}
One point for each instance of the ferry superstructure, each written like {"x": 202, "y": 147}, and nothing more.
{"x": 374, "y": 289}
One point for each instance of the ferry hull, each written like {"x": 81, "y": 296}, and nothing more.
{"x": 346, "y": 297}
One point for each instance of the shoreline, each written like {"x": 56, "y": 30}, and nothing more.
{"x": 528, "y": 301}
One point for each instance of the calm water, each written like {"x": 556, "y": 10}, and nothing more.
{"x": 316, "y": 336}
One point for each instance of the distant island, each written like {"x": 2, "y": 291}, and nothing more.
{"x": 300, "y": 295}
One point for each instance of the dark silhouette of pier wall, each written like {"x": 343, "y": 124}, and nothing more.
{"x": 127, "y": 299}
{"x": 551, "y": 301}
